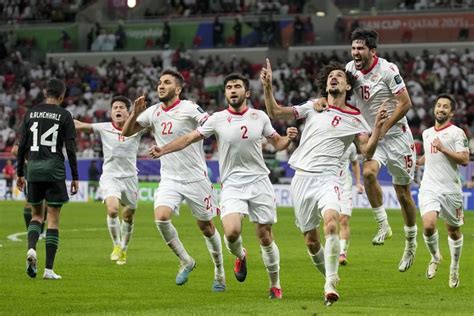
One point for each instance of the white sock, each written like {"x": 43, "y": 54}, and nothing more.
{"x": 235, "y": 247}
{"x": 331, "y": 255}
{"x": 170, "y": 236}
{"x": 127, "y": 231}
{"x": 380, "y": 214}
{"x": 113, "y": 223}
{"x": 214, "y": 246}
{"x": 455, "y": 248}
{"x": 432, "y": 243}
{"x": 318, "y": 260}
{"x": 344, "y": 244}
{"x": 410, "y": 234}
{"x": 271, "y": 260}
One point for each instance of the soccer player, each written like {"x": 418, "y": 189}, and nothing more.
{"x": 246, "y": 187}
{"x": 316, "y": 188}
{"x": 445, "y": 146}
{"x": 183, "y": 174}
{"x": 46, "y": 129}
{"x": 349, "y": 158}
{"x": 379, "y": 81}
{"x": 119, "y": 182}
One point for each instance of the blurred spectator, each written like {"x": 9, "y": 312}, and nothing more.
{"x": 217, "y": 33}
{"x": 120, "y": 36}
{"x": 298, "y": 31}
{"x": 90, "y": 38}
{"x": 237, "y": 31}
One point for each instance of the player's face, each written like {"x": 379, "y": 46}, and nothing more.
{"x": 235, "y": 93}
{"x": 167, "y": 88}
{"x": 443, "y": 111}
{"x": 362, "y": 55}
{"x": 337, "y": 83}
{"x": 119, "y": 112}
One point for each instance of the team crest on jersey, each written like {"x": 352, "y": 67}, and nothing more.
{"x": 229, "y": 118}
{"x": 158, "y": 113}
{"x": 355, "y": 121}
{"x": 254, "y": 116}
{"x": 375, "y": 77}
{"x": 176, "y": 113}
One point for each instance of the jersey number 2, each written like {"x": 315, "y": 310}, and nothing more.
{"x": 53, "y": 132}
{"x": 244, "y": 132}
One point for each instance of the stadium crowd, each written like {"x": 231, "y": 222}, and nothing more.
{"x": 18, "y": 11}
{"x": 90, "y": 88}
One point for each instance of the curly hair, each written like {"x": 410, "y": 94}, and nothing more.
{"x": 323, "y": 78}
{"x": 370, "y": 37}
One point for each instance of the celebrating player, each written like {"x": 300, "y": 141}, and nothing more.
{"x": 119, "y": 182}
{"x": 446, "y": 147}
{"x": 315, "y": 188}
{"x": 379, "y": 81}
{"x": 246, "y": 187}
{"x": 46, "y": 128}
{"x": 349, "y": 158}
{"x": 183, "y": 174}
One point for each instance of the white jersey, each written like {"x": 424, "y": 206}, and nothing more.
{"x": 120, "y": 152}
{"x": 380, "y": 83}
{"x": 441, "y": 175}
{"x": 349, "y": 156}
{"x": 325, "y": 138}
{"x": 239, "y": 138}
{"x": 167, "y": 125}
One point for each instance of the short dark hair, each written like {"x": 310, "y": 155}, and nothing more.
{"x": 237, "y": 76}
{"x": 451, "y": 99}
{"x": 176, "y": 74}
{"x": 55, "y": 88}
{"x": 324, "y": 74}
{"x": 121, "y": 98}
{"x": 370, "y": 37}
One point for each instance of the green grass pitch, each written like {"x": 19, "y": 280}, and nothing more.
{"x": 92, "y": 284}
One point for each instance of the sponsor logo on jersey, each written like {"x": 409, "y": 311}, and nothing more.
{"x": 200, "y": 109}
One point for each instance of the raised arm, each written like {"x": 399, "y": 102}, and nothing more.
{"x": 176, "y": 145}
{"x": 282, "y": 142}
{"x": 273, "y": 109}
{"x": 131, "y": 126}
{"x": 87, "y": 127}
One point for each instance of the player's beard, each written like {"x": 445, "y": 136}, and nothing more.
{"x": 442, "y": 120}
{"x": 170, "y": 95}
{"x": 237, "y": 103}
{"x": 334, "y": 92}
{"x": 364, "y": 63}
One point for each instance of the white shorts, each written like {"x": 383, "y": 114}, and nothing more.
{"x": 199, "y": 195}
{"x": 312, "y": 196}
{"x": 125, "y": 189}
{"x": 398, "y": 154}
{"x": 257, "y": 200}
{"x": 448, "y": 206}
{"x": 346, "y": 195}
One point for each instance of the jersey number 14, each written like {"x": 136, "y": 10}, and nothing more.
{"x": 52, "y": 132}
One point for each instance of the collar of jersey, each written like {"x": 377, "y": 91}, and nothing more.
{"x": 238, "y": 113}
{"x": 171, "y": 106}
{"x": 376, "y": 60}
{"x": 445, "y": 127}
{"x": 355, "y": 111}
{"x": 115, "y": 126}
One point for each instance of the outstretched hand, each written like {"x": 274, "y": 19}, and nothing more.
{"x": 139, "y": 105}
{"x": 155, "y": 152}
{"x": 266, "y": 75}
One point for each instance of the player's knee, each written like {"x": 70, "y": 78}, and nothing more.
{"x": 313, "y": 245}
{"x": 330, "y": 227}
{"x": 370, "y": 175}
{"x": 207, "y": 228}
{"x": 112, "y": 211}
{"x": 454, "y": 232}
{"x": 232, "y": 235}
{"x": 128, "y": 217}
{"x": 344, "y": 221}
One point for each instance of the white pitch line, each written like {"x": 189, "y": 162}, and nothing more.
{"x": 14, "y": 237}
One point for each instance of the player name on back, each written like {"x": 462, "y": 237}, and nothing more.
{"x": 46, "y": 115}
